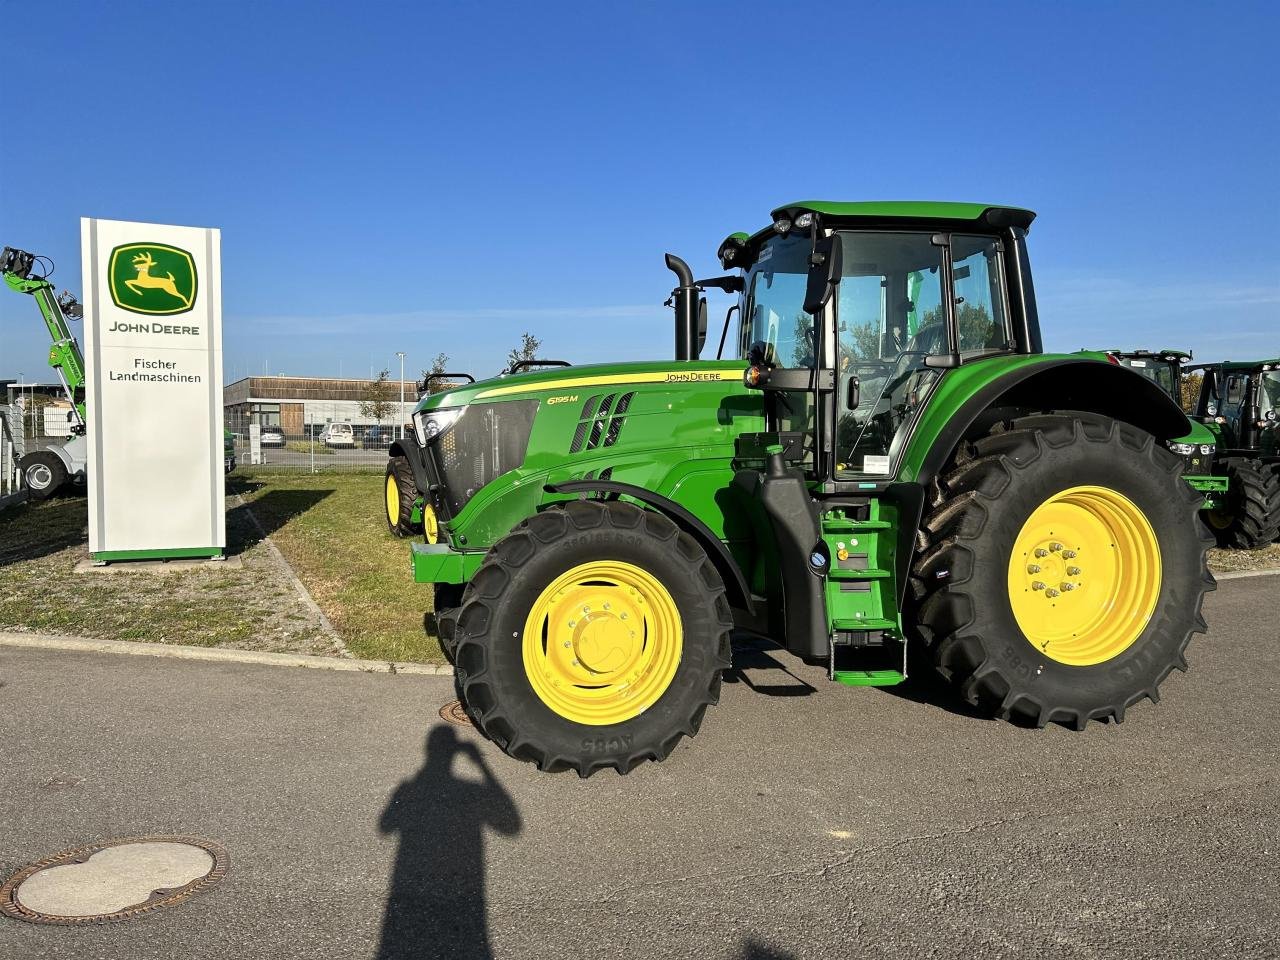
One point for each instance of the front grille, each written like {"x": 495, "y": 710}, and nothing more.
{"x": 488, "y": 440}
{"x": 1197, "y": 464}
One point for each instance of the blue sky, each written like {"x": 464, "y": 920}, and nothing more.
{"x": 438, "y": 178}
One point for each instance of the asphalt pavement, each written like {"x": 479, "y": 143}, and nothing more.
{"x": 806, "y": 820}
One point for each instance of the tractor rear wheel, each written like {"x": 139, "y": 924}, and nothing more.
{"x": 593, "y": 636}
{"x": 1064, "y": 570}
{"x": 1250, "y": 516}
{"x": 401, "y": 495}
{"x": 42, "y": 474}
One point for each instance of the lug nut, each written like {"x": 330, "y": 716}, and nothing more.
{"x": 1068, "y": 586}
{"x": 1051, "y": 592}
{"x": 568, "y": 643}
{"x": 1041, "y": 552}
{"x": 1073, "y": 571}
{"x": 1055, "y": 547}
{"x": 1037, "y": 585}
{"x": 1033, "y": 568}
{"x": 1069, "y": 554}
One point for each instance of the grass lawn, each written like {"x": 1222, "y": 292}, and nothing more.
{"x": 331, "y": 529}
{"x": 252, "y": 605}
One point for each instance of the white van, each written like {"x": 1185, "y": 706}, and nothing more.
{"x": 338, "y": 435}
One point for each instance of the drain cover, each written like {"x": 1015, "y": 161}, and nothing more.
{"x": 113, "y": 880}
{"x": 453, "y": 712}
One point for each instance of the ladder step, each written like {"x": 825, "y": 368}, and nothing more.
{"x": 853, "y": 526}
{"x": 868, "y": 678}
{"x": 871, "y": 573}
{"x": 866, "y": 623}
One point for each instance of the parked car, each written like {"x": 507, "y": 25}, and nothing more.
{"x": 378, "y": 438}
{"x": 271, "y": 437}
{"x": 338, "y": 435}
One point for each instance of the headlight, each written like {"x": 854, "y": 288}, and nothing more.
{"x": 429, "y": 424}
{"x": 1186, "y": 449}
{"x": 1207, "y": 448}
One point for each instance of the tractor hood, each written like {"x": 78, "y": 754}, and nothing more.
{"x": 552, "y": 385}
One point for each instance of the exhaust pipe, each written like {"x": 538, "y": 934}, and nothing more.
{"x": 685, "y": 301}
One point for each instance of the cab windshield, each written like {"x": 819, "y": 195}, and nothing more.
{"x": 1269, "y": 394}
{"x": 1159, "y": 372}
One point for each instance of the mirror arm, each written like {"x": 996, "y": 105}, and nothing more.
{"x": 725, "y": 332}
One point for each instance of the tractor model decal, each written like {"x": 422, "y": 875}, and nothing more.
{"x": 152, "y": 278}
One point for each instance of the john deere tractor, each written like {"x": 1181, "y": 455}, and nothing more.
{"x": 1198, "y": 448}
{"x": 885, "y": 458}
{"x": 1240, "y": 403}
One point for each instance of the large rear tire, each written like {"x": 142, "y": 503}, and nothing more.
{"x": 43, "y": 473}
{"x": 1064, "y": 570}
{"x": 400, "y": 495}
{"x": 593, "y": 636}
{"x": 1250, "y": 516}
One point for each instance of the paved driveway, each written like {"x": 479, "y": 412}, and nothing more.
{"x": 807, "y": 820}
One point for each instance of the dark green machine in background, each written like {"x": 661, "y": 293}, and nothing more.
{"x": 887, "y": 459}
{"x": 1198, "y": 449}
{"x": 1239, "y": 403}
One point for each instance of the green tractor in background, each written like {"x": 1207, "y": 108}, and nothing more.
{"x": 887, "y": 458}
{"x": 1198, "y": 448}
{"x": 1239, "y": 402}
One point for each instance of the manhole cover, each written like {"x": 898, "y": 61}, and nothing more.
{"x": 113, "y": 880}
{"x": 453, "y": 712}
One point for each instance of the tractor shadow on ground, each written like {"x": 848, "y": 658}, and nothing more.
{"x": 926, "y": 686}
{"x": 36, "y": 529}
{"x": 436, "y": 903}
{"x": 752, "y": 656}
{"x": 272, "y": 511}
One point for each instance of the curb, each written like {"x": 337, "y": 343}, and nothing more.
{"x": 173, "y": 651}
{"x": 1242, "y": 574}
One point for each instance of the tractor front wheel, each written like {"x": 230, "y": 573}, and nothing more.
{"x": 42, "y": 473}
{"x": 593, "y": 636}
{"x": 1249, "y": 518}
{"x": 401, "y": 494}
{"x": 1064, "y": 571}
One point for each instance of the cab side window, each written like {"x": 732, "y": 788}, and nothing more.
{"x": 981, "y": 304}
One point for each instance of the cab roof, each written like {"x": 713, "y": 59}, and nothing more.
{"x": 887, "y": 212}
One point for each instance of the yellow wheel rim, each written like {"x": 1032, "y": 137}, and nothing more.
{"x": 430, "y": 525}
{"x": 393, "y": 501}
{"x": 1219, "y": 519}
{"x": 1085, "y": 575}
{"x": 602, "y": 642}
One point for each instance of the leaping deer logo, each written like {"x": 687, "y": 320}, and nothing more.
{"x": 143, "y": 262}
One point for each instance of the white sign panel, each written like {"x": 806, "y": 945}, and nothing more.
{"x": 153, "y": 349}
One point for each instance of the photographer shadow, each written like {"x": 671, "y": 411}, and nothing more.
{"x": 436, "y": 905}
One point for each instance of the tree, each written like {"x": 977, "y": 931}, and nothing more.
{"x": 1191, "y": 390}
{"x": 438, "y": 366}
{"x": 528, "y": 350}
{"x": 378, "y": 401}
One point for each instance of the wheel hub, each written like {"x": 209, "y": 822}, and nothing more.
{"x": 602, "y": 642}
{"x": 1085, "y": 575}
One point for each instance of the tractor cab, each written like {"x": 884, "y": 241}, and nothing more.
{"x": 1162, "y": 367}
{"x": 1241, "y": 402}
{"x": 864, "y": 306}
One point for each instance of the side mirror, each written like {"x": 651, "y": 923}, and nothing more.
{"x": 854, "y": 395}
{"x": 824, "y": 273}
{"x": 702, "y": 325}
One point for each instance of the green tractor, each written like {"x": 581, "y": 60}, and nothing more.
{"x": 886, "y": 458}
{"x": 1239, "y": 402}
{"x": 1198, "y": 448}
